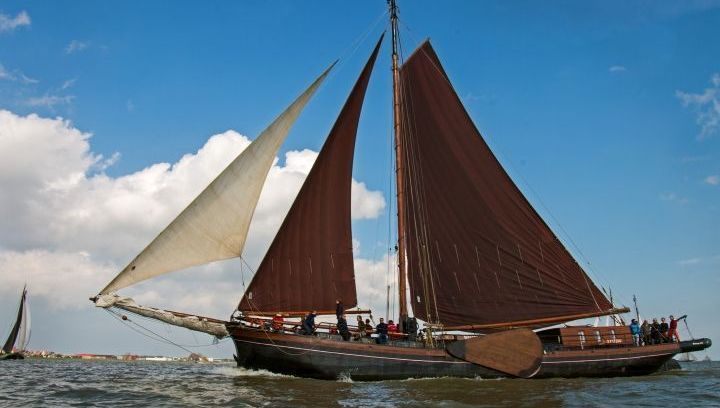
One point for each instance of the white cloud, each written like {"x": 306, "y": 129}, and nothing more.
{"x": 700, "y": 261}
{"x": 707, "y": 105}
{"x": 65, "y": 279}
{"x": 616, "y": 69}
{"x": 129, "y": 105}
{"x": 77, "y": 226}
{"x": 8, "y": 23}
{"x": 49, "y": 101}
{"x": 689, "y": 261}
{"x": 68, "y": 83}
{"x": 27, "y": 80}
{"x": 76, "y": 46}
{"x": 372, "y": 278}
{"x": 16, "y": 76}
{"x": 4, "y": 74}
{"x": 673, "y": 198}
{"x": 694, "y": 159}
{"x": 366, "y": 204}
{"x": 470, "y": 97}
{"x": 713, "y": 180}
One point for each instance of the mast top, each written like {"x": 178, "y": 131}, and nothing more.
{"x": 393, "y": 8}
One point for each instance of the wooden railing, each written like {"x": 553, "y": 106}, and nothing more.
{"x": 267, "y": 323}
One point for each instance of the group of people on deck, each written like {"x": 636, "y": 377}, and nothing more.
{"x": 364, "y": 328}
{"x": 383, "y": 330}
{"x": 656, "y": 332}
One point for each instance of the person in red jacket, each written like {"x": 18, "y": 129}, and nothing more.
{"x": 672, "y": 330}
{"x": 392, "y": 327}
{"x": 277, "y": 322}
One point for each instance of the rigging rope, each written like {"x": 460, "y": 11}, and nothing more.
{"x": 688, "y": 329}
{"x": 350, "y": 50}
{"x": 392, "y": 256}
{"x": 417, "y": 195}
{"x": 155, "y": 336}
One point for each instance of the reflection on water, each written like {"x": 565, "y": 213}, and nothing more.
{"x": 132, "y": 384}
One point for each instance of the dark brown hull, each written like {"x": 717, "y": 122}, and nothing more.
{"x": 609, "y": 362}
{"x": 313, "y": 357}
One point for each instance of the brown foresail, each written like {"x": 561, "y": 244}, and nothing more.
{"x": 478, "y": 253}
{"x": 310, "y": 262}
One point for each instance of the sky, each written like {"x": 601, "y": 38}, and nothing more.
{"x": 114, "y": 116}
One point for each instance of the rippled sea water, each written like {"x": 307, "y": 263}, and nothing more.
{"x": 48, "y": 383}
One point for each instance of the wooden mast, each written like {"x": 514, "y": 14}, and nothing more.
{"x": 399, "y": 167}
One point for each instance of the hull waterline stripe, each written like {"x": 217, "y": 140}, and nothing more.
{"x": 354, "y": 355}
{"x": 606, "y": 359}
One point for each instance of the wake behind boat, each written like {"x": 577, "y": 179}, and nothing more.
{"x": 488, "y": 279}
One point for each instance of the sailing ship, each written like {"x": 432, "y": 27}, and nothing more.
{"x": 485, "y": 274}
{"x": 19, "y": 336}
{"x": 686, "y": 358}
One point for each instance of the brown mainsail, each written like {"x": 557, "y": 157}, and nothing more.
{"x": 478, "y": 253}
{"x": 310, "y": 262}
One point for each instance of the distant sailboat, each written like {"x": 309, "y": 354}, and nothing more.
{"x": 485, "y": 273}
{"x": 19, "y": 337}
{"x": 686, "y": 358}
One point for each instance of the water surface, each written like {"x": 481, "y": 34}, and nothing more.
{"x": 45, "y": 383}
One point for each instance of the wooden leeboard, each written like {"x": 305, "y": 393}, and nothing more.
{"x": 516, "y": 352}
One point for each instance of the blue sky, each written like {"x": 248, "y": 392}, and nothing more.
{"x": 602, "y": 112}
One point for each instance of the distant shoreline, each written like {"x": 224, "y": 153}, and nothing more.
{"x": 193, "y": 358}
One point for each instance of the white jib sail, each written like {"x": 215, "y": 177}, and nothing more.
{"x": 214, "y": 226}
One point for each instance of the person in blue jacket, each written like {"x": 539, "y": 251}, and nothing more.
{"x": 635, "y": 331}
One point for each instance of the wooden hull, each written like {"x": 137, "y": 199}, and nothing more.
{"x": 609, "y": 362}
{"x": 313, "y": 357}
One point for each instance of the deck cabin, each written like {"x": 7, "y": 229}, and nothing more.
{"x": 582, "y": 337}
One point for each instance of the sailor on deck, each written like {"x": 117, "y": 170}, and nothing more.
{"x": 368, "y": 328}
{"x": 635, "y": 331}
{"x": 655, "y": 332}
{"x": 645, "y": 332}
{"x": 664, "y": 330}
{"x": 672, "y": 331}
{"x": 342, "y": 328}
{"x": 360, "y": 326}
{"x": 339, "y": 309}
{"x": 309, "y": 323}
{"x": 277, "y": 322}
{"x": 382, "y": 331}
